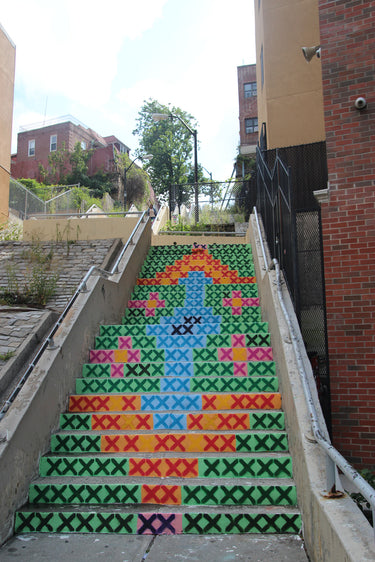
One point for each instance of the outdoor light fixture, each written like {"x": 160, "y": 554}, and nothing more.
{"x": 310, "y": 52}
{"x": 145, "y": 157}
{"x": 164, "y": 117}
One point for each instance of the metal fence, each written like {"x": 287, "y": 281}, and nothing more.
{"x": 294, "y": 238}
{"x": 22, "y": 202}
{"x": 25, "y": 204}
{"x": 219, "y": 202}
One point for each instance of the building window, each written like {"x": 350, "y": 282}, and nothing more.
{"x": 250, "y": 89}
{"x": 53, "y": 143}
{"x": 31, "y": 151}
{"x": 251, "y": 125}
{"x": 83, "y": 145}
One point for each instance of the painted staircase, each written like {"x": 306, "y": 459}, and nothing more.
{"x": 176, "y": 425}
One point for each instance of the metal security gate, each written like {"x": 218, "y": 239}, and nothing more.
{"x": 294, "y": 237}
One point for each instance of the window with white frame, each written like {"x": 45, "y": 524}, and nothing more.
{"x": 250, "y": 89}
{"x": 251, "y": 125}
{"x": 31, "y": 148}
{"x": 53, "y": 143}
{"x": 83, "y": 145}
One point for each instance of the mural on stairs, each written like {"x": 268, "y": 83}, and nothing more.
{"x": 189, "y": 373}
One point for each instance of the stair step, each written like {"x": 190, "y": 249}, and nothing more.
{"x": 190, "y": 369}
{"x": 181, "y": 354}
{"x": 155, "y": 421}
{"x": 162, "y": 402}
{"x": 129, "y": 520}
{"x": 182, "y": 341}
{"x": 195, "y": 329}
{"x": 176, "y": 424}
{"x": 119, "y": 492}
{"x": 262, "y": 467}
{"x": 192, "y": 442}
{"x": 177, "y": 384}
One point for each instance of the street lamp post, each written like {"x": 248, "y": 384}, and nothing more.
{"x": 193, "y": 132}
{"x": 145, "y": 157}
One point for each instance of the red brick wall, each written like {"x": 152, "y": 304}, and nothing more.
{"x": 348, "y": 65}
{"x": 24, "y": 166}
{"x": 248, "y": 106}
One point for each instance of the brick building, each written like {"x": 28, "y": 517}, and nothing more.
{"x": 248, "y": 109}
{"x": 347, "y": 36}
{"x": 37, "y": 142}
{"x": 301, "y": 106}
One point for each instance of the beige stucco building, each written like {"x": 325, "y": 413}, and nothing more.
{"x": 7, "y": 69}
{"x": 290, "y": 98}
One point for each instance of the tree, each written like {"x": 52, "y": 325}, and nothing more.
{"x": 79, "y": 159}
{"x": 136, "y": 189}
{"x": 171, "y": 145}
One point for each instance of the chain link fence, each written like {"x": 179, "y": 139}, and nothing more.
{"x": 24, "y": 204}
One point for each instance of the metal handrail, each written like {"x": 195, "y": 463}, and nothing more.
{"x": 85, "y": 214}
{"x": 335, "y": 458}
{"x": 48, "y": 342}
{"x": 201, "y": 232}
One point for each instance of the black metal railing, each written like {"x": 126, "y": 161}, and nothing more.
{"x": 292, "y": 223}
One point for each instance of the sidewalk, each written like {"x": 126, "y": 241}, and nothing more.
{"x": 160, "y": 548}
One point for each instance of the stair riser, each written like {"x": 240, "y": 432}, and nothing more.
{"x": 188, "y": 369}
{"x": 175, "y": 402}
{"x": 175, "y": 443}
{"x": 136, "y": 422}
{"x": 227, "y": 467}
{"x": 157, "y": 523}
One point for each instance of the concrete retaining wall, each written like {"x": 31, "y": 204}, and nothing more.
{"x": 333, "y": 529}
{"x": 90, "y": 228}
{"x": 26, "y": 428}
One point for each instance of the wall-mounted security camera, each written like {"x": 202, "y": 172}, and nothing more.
{"x": 360, "y": 103}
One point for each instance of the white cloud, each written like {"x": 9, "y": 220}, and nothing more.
{"x": 71, "y": 48}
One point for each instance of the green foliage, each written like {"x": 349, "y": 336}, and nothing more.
{"x": 7, "y": 355}
{"x": 171, "y": 145}
{"x": 82, "y": 199}
{"x": 363, "y": 505}
{"x": 136, "y": 185}
{"x": 38, "y": 284}
{"x": 10, "y": 231}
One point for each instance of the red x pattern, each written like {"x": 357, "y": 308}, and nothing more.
{"x": 194, "y": 421}
{"x": 89, "y": 403}
{"x": 208, "y": 402}
{"x": 145, "y": 467}
{"x": 105, "y": 421}
{"x": 161, "y": 494}
{"x": 182, "y": 467}
{"x": 170, "y": 442}
{"x": 145, "y": 421}
{"x": 233, "y": 421}
{"x": 219, "y": 443}
{"x": 128, "y": 402}
{"x": 250, "y": 401}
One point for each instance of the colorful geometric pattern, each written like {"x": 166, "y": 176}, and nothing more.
{"x": 177, "y": 407}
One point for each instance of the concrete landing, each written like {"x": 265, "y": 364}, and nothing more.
{"x": 161, "y": 548}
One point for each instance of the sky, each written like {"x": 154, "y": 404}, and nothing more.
{"x": 99, "y": 62}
